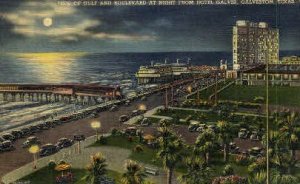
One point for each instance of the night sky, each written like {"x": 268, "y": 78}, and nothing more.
{"x": 135, "y": 29}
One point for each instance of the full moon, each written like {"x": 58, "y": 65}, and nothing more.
{"x": 47, "y": 21}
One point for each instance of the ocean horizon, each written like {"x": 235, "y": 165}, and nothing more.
{"x": 105, "y": 68}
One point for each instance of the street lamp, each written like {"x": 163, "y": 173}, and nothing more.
{"x": 142, "y": 107}
{"x": 96, "y": 125}
{"x": 34, "y": 149}
{"x": 189, "y": 89}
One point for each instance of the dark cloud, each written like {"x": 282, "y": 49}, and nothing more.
{"x": 198, "y": 28}
{"x": 6, "y": 33}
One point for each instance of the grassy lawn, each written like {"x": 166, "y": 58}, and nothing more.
{"x": 283, "y": 95}
{"x": 210, "y": 90}
{"x": 147, "y": 156}
{"x": 46, "y": 175}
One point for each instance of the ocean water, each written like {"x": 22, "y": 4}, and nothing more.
{"x": 104, "y": 68}
{"x": 108, "y": 68}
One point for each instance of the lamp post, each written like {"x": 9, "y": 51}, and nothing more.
{"x": 96, "y": 125}
{"x": 34, "y": 149}
{"x": 189, "y": 89}
{"x": 142, "y": 107}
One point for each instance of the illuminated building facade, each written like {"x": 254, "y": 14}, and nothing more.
{"x": 254, "y": 44}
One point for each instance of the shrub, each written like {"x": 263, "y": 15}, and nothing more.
{"x": 228, "y": 170}
{"x": 232, "y": 179}
{"x": 138, "y": 149}
{"x": 164, "y": 122}
{"x": 259, "y": 99}
{"x": 51, "y": 164}
{"x": 102, "y": 140}
{"x": 258, "y": 165}
{"x": 175, "y": 118}
{"x": 116, "y": 132}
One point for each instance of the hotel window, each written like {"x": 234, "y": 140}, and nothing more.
{"x": 286, "y": 76}
{"x": 295, "y": 76}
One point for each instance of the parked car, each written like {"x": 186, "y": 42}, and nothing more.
{"x": 6, "y": 146}
{"x": 123, "y": 118}
{"x": 48, "y": 149}
{"x": 64, "y": 143}
{"x": 131, "y": 131}
{"x": 255, "y": 152}
{"x": 113, "y": 108}
{"x": 32, "y": 140}
{"x": 127, "y": 102}
{"x": 57, "y": 122}
{"x": 79, "y": 137}
{"x": 65, "y": 119}
{"x": 47, "y": 125}
{"x": 243, "y": 133}
{"x": 135, "y": 113}
{"x": 142, "y": 111}
{"x": 26, "y": 131}
{"x": 233, "y": 148}
{"x": 8, "y": 137}
{"x": 17, "y": 134}
{"x": 94, "y": 115}
{"x": 193, "y": 126}
{"x": 200, "y": 129}
{"x": 212, "y": 127}
{"x": 39, "y": 127}
{"x": 33, "y": 129}
{"x": 254, "y": 136}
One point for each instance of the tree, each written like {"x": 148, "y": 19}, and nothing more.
{"x": 290, "y": 131}
{"x": 170, "y": 147}
{"x": 197, "y": 172}
{"x": 224, "y": 136}
{"x": 134, "y": 173}
{"x": 205, "y": 144}
{"x": 258, "y": 178}
{"x": 287, "y": 179}
{"x": 96, "y": 169}
{"x": 276, "y": 146}
{"x": 228, "y": 170}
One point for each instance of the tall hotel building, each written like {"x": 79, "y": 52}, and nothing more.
{"x": 254, "y": 43}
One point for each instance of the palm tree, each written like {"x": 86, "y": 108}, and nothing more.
{"x": 289, "y": 130}
{"x": 224, "y": 136}
{"x": 276, "y": 146}
{"x": 288, "y": 179}
{"x": 205, "y": 144}
{"x": 134, "y": 173}
{"x": 96, "y": 169}
{"x": 258, "y": 178}
{"x": 275, "y": 178}
{"x": 279, "y": 151}
{"x": 170, "y": 147}
{"x": 197, "y": 172}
